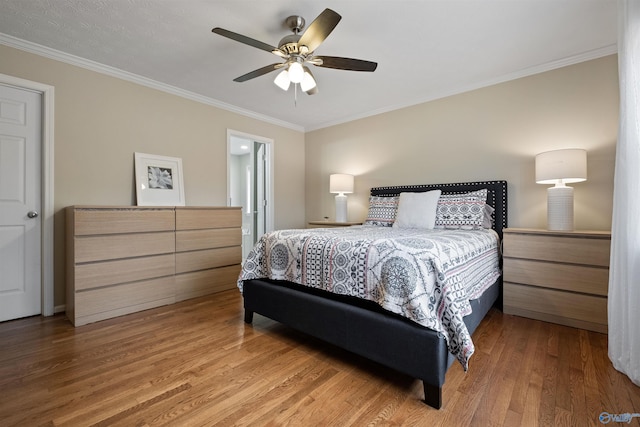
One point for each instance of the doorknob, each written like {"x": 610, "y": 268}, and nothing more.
{"x": 32, "y": 214}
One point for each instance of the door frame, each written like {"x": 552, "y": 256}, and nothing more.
{"x": 269, "y": 143}
{"x": 47, "y": 199}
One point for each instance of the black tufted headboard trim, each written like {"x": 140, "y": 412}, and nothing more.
{"x": 496, "y": 195}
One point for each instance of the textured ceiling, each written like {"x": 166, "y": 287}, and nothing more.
{"x": 424, "y": 49}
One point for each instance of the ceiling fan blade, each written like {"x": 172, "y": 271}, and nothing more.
{"x": 244, "y": 39}
{"x": 319, "y": 29}
{"x": 259, "y": 72}
{"x": 346, "y": 63}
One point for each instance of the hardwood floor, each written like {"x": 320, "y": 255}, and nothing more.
{"x": 197, "y": 363}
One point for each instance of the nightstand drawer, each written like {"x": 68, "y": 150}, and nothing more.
{"x": 576, "y": 250}
{"x": 569, "y": 277}
{"x": 582, "y": 311}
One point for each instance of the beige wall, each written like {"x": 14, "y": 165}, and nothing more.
{"x": 490, "y": 133}
{"x": 100, "y": 121}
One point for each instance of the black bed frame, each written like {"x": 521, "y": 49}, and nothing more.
{"x": 366, "y": 329}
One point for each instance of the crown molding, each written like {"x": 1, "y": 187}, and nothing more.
{"x": 57, "y": 55}
{"x": 87, "y": 64}
{"x": 549, "y": 66}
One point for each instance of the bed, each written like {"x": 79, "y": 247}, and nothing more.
{"x": 369, "y": 328}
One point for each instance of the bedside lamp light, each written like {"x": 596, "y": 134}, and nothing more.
{"x": 561, "y": 167}
{"x": 342, "y": 184}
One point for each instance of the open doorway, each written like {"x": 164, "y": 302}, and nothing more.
{"x": 250, "y": 184}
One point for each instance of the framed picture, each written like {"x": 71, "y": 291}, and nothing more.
{"x": 158, "y": 180}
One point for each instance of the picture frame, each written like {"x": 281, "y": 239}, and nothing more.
{"x": 158, "y": 180}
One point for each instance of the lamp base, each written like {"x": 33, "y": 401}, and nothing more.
{"x": 341, "y": 208}
{"x": 560, "y": 208}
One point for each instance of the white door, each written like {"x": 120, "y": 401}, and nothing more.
{"x": 20, "y": 187}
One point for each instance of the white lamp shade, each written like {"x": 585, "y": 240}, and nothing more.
{"x": 296, "y": 72}
{"x": 568, "y": 165}
{"x": 282, "y": 80}
{"x": 308, "y": 82}
{"x": 341, "y": 183}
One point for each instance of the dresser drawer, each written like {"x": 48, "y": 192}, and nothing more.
{"x": 210, "y": 258}
{"x": 113, "y": 301}
{"x": 112, "y": 221}
{"x": 579, "y": 310}
{"x": 195, "y": 219}
{"x": 576, "y": 250}
{"x": 190, "y": 240}
{"x": 195, "y": 284}
{"x": 114, "y": 246}
{"x": 569, "y": 277}
{"x": 99, "y": 274}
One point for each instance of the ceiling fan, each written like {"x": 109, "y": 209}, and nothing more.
{"x": 297, "y": 50}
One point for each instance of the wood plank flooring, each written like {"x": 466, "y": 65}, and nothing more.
{"x": 197, "y": 363}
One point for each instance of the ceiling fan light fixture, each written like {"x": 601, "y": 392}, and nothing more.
{"x": 297, "y": 50}
{"x": 282, "y": 80}
{"x": 308, "y": 82}
{"x": 296, "y": 72}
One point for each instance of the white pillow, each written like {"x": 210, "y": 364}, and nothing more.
{"x": 417, "y": 210}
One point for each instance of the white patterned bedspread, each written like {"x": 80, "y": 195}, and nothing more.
{"x": 427, "y": 276}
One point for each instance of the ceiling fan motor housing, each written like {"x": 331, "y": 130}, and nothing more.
{"x": 289, "y": 44}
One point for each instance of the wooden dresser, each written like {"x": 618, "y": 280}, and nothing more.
{"x": 208, "y": 250}
{"x": 125, "y": 259}
{"x": 559, "y": 277}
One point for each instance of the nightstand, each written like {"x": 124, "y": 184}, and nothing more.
{"x": 325, "y": 224}
{"x": 559, "y": 277}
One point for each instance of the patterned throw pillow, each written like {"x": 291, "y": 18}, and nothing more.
{"x": 382, "y": 211}
{"x": 465, "y": 211}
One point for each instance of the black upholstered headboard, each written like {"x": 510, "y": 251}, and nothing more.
{"x": 496, "y": 195}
